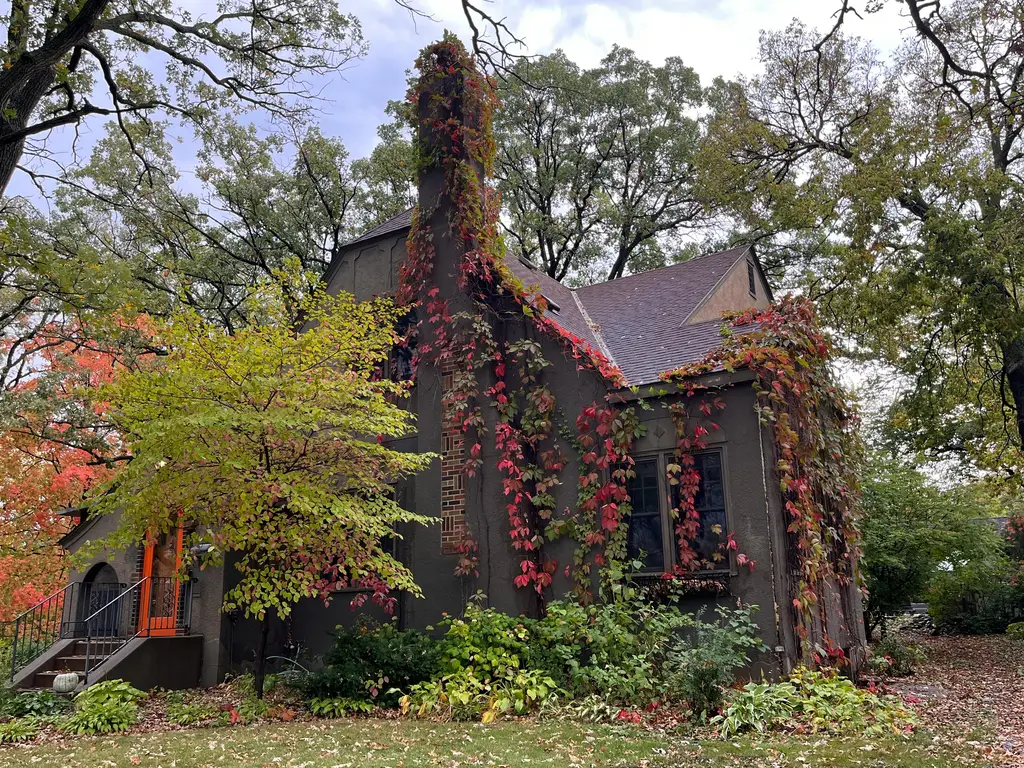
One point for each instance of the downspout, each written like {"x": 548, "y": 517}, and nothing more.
{"x": 780, "y": 645}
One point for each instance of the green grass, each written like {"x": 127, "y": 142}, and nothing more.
{"x": 405, "y": 744}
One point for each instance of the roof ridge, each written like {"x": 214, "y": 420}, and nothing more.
{"x": 741, "y": 248}
{"x": 594, "y": 328}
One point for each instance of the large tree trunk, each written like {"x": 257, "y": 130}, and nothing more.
{"x": 1013, "y": 368}
{"x": 31, "y": 73}
{"x": 260, "y": 674}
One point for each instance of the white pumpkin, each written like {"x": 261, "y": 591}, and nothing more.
{"x": 65, "y": 682}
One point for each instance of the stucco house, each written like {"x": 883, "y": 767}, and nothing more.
{"x": 588, "y": 359}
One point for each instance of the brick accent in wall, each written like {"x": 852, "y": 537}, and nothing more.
{"x": 453, "y": 480}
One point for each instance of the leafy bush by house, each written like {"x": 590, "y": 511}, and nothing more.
{"x": 106, "y": 707}
{"x": 703, "y": 663}
{"x": 813, "y": 702}
{"x": 627, "y": 651}
{"x": 369, "y": 662}
{"x": 18, "y": 730}
{"x": 339, "y": 707}
{"x": 185, "y": 710}
{"x": 1016, "y": 630}
{"x": 32, "y": 704}
{"x": 101, "y": 717}
{"x": 894, "y": 657}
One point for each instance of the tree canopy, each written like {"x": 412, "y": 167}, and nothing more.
{"x": 596, "y": 167}
{"x": 891, "y": 191}
{"x": 269, "y": 443}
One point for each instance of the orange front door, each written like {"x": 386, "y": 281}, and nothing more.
{"x": 158, "y": 612}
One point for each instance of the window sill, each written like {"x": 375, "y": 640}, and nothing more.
{"x": 705, "y": 584}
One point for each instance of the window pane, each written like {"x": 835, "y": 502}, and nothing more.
{"x": 710, "y": 503}
{"x": 645, "y": 533}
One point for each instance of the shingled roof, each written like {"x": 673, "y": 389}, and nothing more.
{"x": 639, "y": 322}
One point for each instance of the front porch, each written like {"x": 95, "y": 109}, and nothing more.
{"x": 93, "y": 627}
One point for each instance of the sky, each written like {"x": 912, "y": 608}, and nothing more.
{"x": 715, "y": 37}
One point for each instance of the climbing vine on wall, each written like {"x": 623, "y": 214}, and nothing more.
{"x": 814, "y": 431}
{"x": 455, "y": 103}
{"x": 465, "y": 330}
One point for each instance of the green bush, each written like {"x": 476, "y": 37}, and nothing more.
{"x": 465, "y": 695}
{"x": 1016, "y": 630}
{"x": 33, "y": 704}
{"x": 107, "y": 707}
{"x": 628, "y": 651}
{"x": 108, "y": 716}
{"x": 368, "y": 663}
{"x": 703, "y": 663}
{"x": 813, "y": 702}
{"x": 109, "y": 692}
{"x": 894, "y": 657}
{"x": 977, "y": 597}
{"x": 181, "y": 711}
{"x": 339, "y": 707}
{"x": 19, "y": 730}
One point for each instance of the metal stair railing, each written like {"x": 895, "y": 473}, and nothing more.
{"x": 53, "y": 618}
{"x": 151, "y": 604}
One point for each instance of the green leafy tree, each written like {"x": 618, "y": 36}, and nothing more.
{"x": 65, "y": 62}
{"x": 597, "y": 167}
{"x": 892, "y": 192}
{"x": 269, "y": 444}
{"x": 909, "y": 528}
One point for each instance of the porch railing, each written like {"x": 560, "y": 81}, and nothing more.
{"x": 53, "y": 618}
{"x": 105, "y": 616}
{"x": 151, "y": 606}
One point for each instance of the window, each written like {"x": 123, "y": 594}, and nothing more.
{"x": 710, "y": 503}
{"x": 651, "y": 524}
{"x": 646, "y": 534}
{"x": 751, "y": 279}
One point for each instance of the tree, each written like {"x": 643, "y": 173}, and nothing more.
{"x": 387, "y": 175}
{"x": 50, "y": 457}
{"x": 909, "y": 528}
{"x": 893, "y": 193}
{"x": 597, "y": 167}
{"x": 269, "y": 444}
{"x": 553, "y": 148}
{"x": 67, "y": 61}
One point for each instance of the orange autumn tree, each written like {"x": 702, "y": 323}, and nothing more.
{"x": 54, "y": 448}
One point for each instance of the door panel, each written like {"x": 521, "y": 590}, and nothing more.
{"x": 158, "y": 613}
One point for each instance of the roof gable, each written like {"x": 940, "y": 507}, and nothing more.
{"x": 640, "y": 322}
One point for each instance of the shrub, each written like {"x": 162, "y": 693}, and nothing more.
{"x": 703, "y": 663}
{"x": 109, "y": 691}
{"x": 370, "y": 662}
{"x": 464, "y": 695}
{"x": 21, "y": 729}
{"x": 339, "y": 707}
{"x": 108, "y": 716}
{"x": 977, "y": 597}
{"x": 106, "y": 707}
{"x": 182, "y": 712}
{"x": 1016, "y": 630}
{"x": 615, "y": 650}
{"x": 893, "y": 657}
{"x": 814, "y": 702}
{"x": 33, "y": 704}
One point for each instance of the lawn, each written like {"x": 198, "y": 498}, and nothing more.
{"x": 404, "y": 744}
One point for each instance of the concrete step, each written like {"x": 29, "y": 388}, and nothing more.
{"x": 76, "y": 663}
{"x": 96, "y": 647}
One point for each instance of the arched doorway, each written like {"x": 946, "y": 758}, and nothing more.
{"x": 99, "y": 588}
